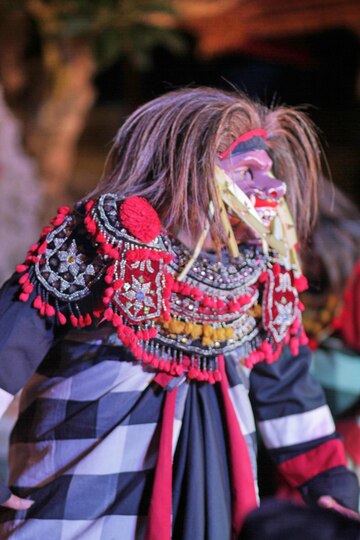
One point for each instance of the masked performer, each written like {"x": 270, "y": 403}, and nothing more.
{"x": 154, "y": 318}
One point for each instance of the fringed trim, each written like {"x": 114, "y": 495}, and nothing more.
{"x": 141, "y": 344}
{"x": 299, "y": 281}
{"x": 206, "y": 301}
{"x": 73, "y": 316}
{"x": 27, "y": 280}
{"x": 105, "y": 246}
{"x": 280, "y": 286}
{"x": 270, "y": 353}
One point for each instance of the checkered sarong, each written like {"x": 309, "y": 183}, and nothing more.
{"x": 86, "y": 442}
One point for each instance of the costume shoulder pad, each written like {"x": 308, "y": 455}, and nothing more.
{"x": 101, "y": 246}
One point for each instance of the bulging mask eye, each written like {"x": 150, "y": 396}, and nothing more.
{"x": 243, "y": 175}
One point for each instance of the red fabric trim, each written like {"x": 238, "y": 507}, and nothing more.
{"x": 242, "y": 479}
{"x": 243, "y": 138}
{"x": 160, "y": 509}
{"x": 163, "y": 378}
{"x": 350, "y": 430}
{"x": 304, "y": 467}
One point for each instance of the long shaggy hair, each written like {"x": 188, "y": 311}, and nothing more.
{"x": 167, "y": 149}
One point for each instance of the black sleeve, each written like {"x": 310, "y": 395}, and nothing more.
{"x": 25, "y": 338}
{"x": 298, "y": 430}
{"x": 338, "y": 482}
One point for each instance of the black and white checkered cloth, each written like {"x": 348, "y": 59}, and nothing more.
{"x": 85, "y": 445}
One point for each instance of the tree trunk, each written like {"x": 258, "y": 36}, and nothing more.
{"x": 61, "y": 118}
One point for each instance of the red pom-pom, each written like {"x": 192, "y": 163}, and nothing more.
{"x": 37, "y": 303}
{"x": 24, "y": 278}
{"x": 89, "y": 205}
{"x": 42, "y": 248}
{"x": 28, "y": 288}
{"x": 61, "y": 318}
{"x": 166, "y": 316}
{"x": 140, "y": 219}
{"x": 117, "y": 321}
{"x": 64, "y": 210}
{"x": 91, "y": 227}
{"x": 193, "y": 373}
{"x": 179, "y": 369}
{"x": 49, "y": 310}
{"x": 21, "y": 268}
{"x": 303, "y": 339}
{"x": 301, "y": 306}
{"x": 167, "y": 367}
{"x": 155, "y": 362}
{"x": 33, "y": 248}
{"x": 58, "y": 220}
{"x": 100, "y": 238}
{"x": 139, "y": 334}
{"x": 152, "y": 332}
{"x": 114, "y": 253}
{"x": 74, "y": 321}
{"x": 301, "y": 283}
{"x": 173, "y": 369}
{"x": 108, "y": 314}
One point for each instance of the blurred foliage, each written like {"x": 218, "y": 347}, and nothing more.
{"x": 113, "y": 28}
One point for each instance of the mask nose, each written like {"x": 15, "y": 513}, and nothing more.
{"x": 277, "y": 189}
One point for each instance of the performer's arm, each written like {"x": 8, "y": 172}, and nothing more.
{"x": 25, "y": 338}
{"x": 298, "y": 430}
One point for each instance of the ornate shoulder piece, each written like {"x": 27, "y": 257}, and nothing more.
{"x": 112, "y": 253}
{"x": 110, "y": 241}
{"x": 62, "y": 268}
{"x": 127, "y": 235}
{"x": 281, "y": 313}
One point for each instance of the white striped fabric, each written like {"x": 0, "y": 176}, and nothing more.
{"x": 297, "y": 428}
{"x": 240, "y": 400}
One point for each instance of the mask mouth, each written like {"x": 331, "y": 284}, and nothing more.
{"x": 266, "y": 214}
{"x": 265, "y": 209}
{"x": 261, "y": 203}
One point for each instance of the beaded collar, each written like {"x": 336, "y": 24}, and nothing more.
{"x": 114, "y": 252}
